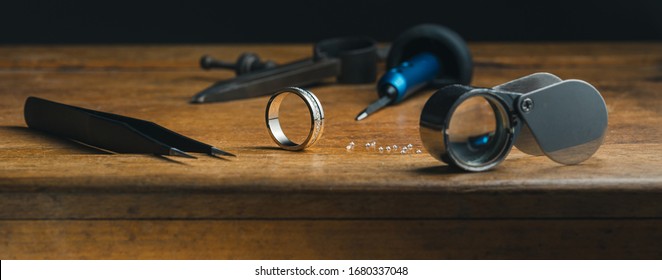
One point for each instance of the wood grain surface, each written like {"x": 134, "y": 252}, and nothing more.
{"x": 332, "y": 239}
{"x": 54, "y": 186}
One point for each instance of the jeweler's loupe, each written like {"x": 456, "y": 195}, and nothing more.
{"x": 475, "y": 128}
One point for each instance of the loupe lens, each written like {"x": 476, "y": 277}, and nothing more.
{"x": 478, "y": 133}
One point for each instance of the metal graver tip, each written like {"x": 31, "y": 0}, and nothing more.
{"x": 361, "y": 116}
{"x": 374, "y": 107}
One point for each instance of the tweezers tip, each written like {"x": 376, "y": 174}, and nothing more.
{"x": 179, "y": 153}
{"x": 217, "y": 151}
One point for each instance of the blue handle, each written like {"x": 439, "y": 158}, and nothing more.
{"x": 408, "y": 77}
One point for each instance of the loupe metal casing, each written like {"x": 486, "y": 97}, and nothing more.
{"x": 475, "y": 128}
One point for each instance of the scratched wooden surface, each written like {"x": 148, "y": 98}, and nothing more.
{"x": 59, "y": 199}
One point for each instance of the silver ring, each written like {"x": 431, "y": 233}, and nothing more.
{"x": 316, "y": 117}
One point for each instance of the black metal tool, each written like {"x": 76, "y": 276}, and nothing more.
{"x": 350, "y": 60}
{"x": 110, "y": 132}
{"x": 247, "y": 62}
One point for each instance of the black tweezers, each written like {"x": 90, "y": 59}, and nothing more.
{"x": 110, "y": 132}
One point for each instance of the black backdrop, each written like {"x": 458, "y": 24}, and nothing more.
{"x": 170, "y": 21}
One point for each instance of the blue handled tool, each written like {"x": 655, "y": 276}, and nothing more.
{"x": 425, "y": 55}
{"x": 403, "y": 80}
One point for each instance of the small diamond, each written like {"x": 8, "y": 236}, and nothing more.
{"x": 395, "y": 147}
{"x": 388, "y": 149}
{"x": 381, "y": 149}
{"x": 351, "y": 144}
{"x": 349, "y": 147}
{"x": 403, "y": 151}
{"x": 418, "y": 151}
{"x": 367, "y": 145}
{"x": 409, "y": 146}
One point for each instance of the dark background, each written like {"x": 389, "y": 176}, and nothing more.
{"x": 252, "y": 21}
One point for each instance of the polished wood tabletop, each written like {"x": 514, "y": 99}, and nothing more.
{"x": 61, "y": 199}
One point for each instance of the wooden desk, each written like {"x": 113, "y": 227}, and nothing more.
{"x": 59, "y": 199}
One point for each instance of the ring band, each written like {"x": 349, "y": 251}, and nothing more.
{"x": 316, "y": 117}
